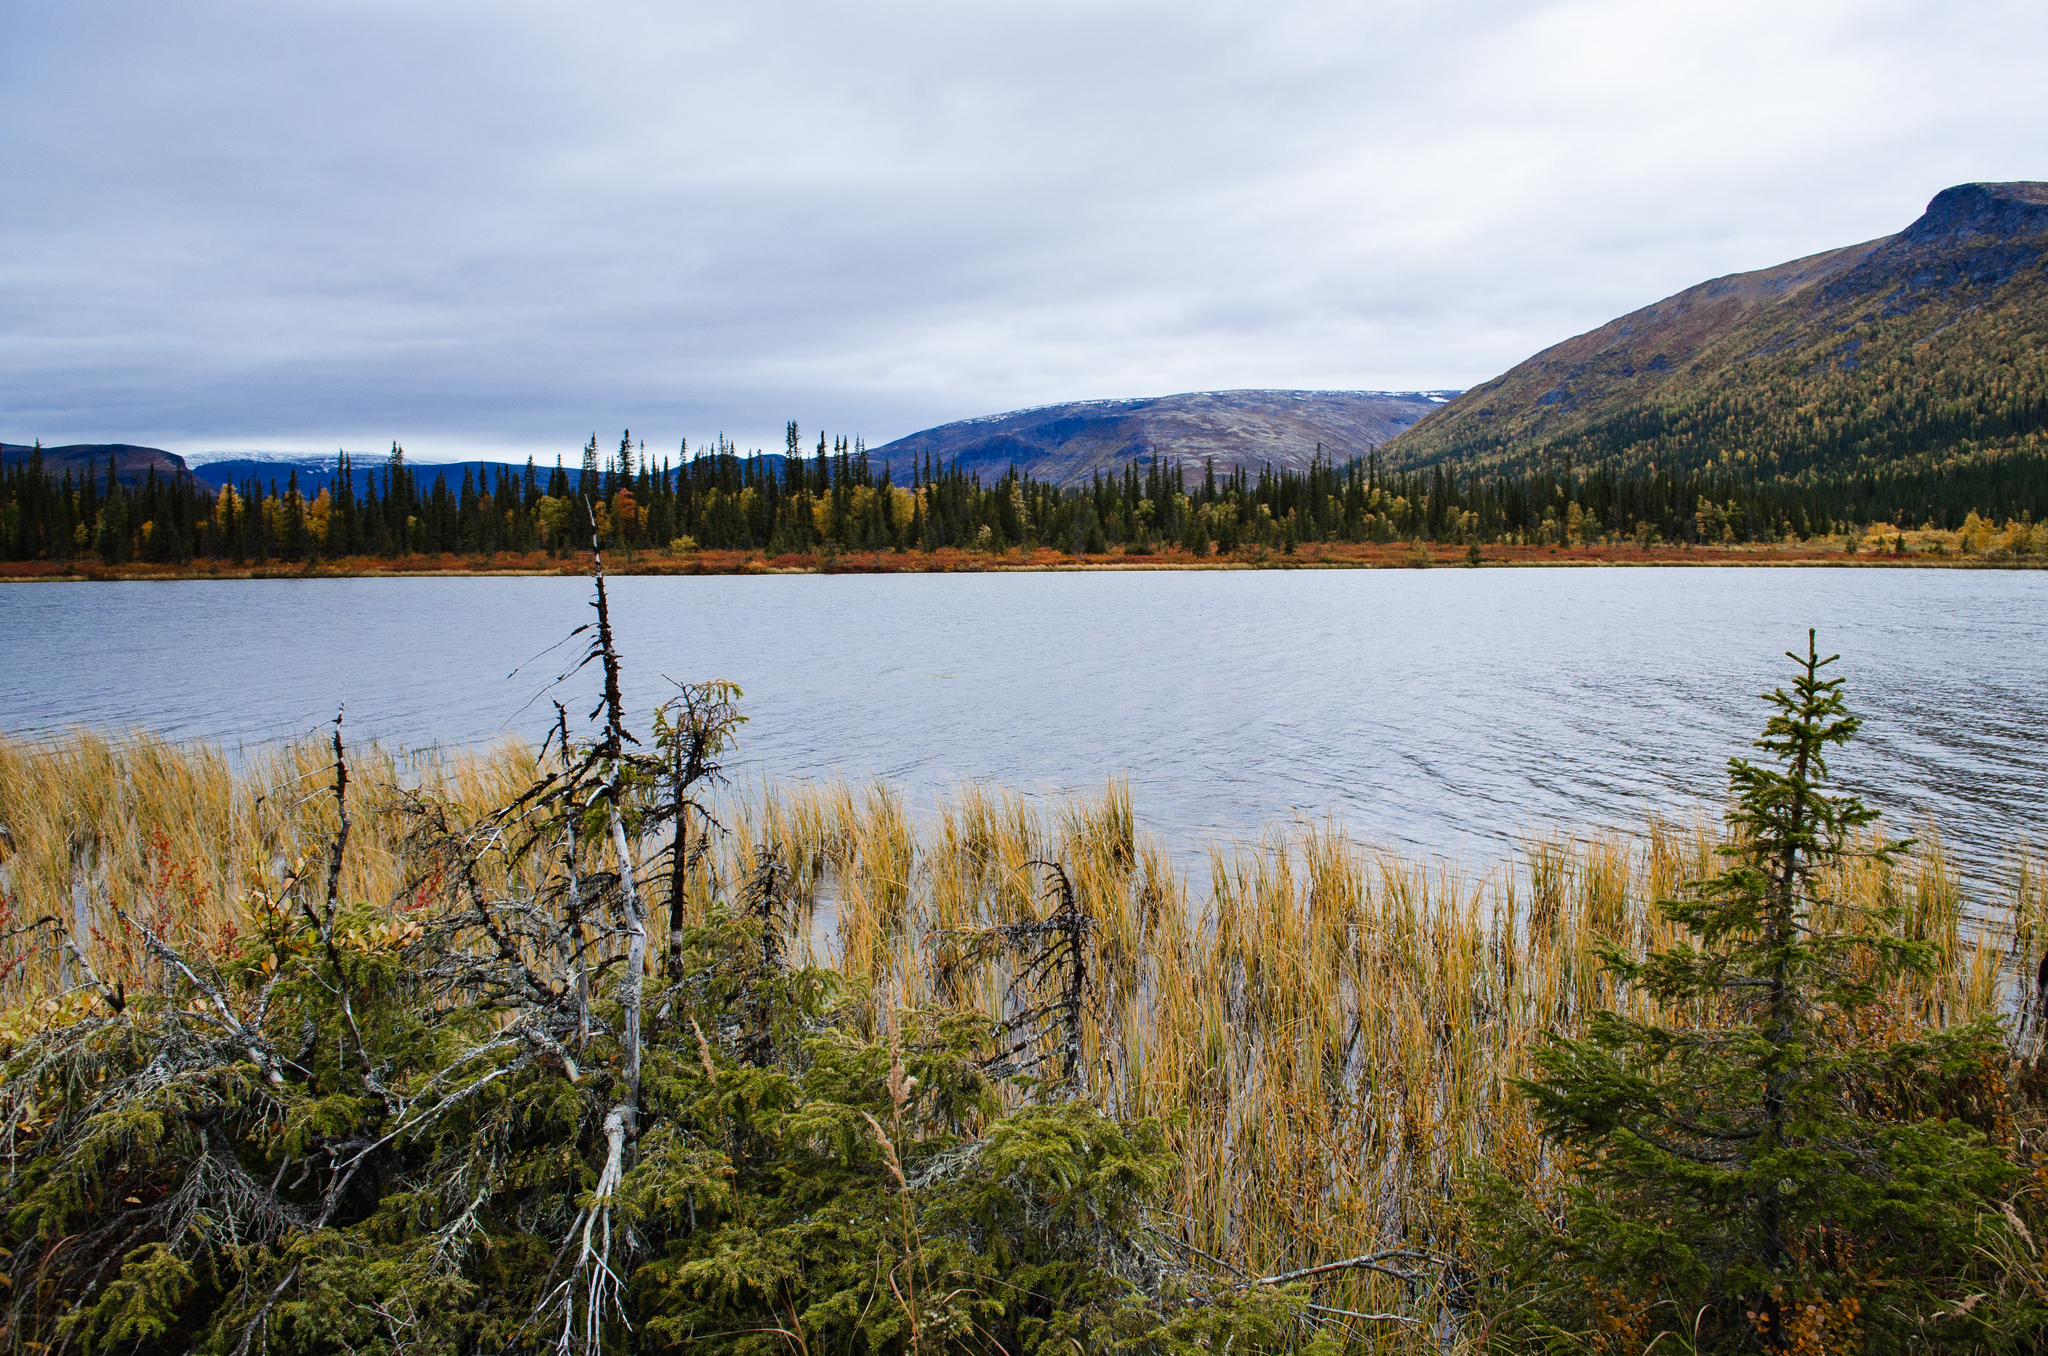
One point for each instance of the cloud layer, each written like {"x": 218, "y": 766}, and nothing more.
{"x": 492, "y": 228}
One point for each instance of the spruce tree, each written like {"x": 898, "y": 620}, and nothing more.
{"x": 1763, "y": 1154}
{"x": 589, "y": 490}
{"x": 113, "y": 526}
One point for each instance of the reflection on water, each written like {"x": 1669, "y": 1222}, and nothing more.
{"x": 1442, "y": 710}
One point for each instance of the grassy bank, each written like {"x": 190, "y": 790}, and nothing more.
{"x": 1927, "y": 549}
{"x": 1330, "y": 1034}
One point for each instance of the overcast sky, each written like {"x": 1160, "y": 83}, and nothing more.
{"x": 492, "y": 228}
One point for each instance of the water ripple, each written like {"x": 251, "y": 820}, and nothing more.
{"x": 1442, "y": 710}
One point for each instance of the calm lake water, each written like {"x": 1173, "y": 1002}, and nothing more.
{"x": 1443, "y": 710}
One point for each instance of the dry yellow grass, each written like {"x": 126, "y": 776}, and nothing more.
{"x": 1332, "y": 1031}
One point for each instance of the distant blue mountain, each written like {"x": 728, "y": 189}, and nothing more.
{"x": 317, "y": 473}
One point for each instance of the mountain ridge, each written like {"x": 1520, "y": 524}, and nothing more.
{"x": 1886, "y": 357}
{"x": 1066, "y": 442}
{"x": 132, "y": 462}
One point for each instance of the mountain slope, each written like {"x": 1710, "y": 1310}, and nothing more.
{"x": 1065, "y": 444}
{"x": 1898, "y": 356}
{"x": 131, "y": 463}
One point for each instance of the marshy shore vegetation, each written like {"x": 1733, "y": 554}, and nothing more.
{"x": 578, "y": 1048}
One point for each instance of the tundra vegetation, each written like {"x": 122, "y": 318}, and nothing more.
{"x": 571, "y": 1049}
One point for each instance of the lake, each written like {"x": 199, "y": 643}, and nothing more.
{"x": 1442, "y": 711}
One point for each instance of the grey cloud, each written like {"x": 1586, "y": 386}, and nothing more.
{"x": 493, "y": 227}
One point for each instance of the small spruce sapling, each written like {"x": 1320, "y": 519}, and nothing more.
{"x": 1759, "y": 1153}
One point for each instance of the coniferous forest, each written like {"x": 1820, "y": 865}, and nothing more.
{"x": 835, "y": 499}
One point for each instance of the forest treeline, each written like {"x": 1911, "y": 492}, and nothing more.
{"x": 839, "y": 499}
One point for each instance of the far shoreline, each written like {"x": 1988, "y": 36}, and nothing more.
{"x": 1929, "y": 551}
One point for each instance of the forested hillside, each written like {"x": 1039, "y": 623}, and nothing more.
{"x": 1901, "y": 380}
{"x": 131, "y": 464}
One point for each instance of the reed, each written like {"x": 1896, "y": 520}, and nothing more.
{"x": 1332, "y": 1031}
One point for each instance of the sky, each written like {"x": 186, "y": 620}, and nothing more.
{"x": 494, "y": 229}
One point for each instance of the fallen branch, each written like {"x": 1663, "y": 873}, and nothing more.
{"x": 1371, "y": 1261}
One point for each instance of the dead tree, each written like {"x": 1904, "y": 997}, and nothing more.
{"x": 767, "y": 906}
{"x": 692, "y": 731}
{"x": 1048, "y": 997}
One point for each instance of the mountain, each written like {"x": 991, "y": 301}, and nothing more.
{"x": 317, "y": 473}
{"x": 1917, "y": 354}
{"x": 1065, "y": 444}
{"x": 132, "y": 464}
